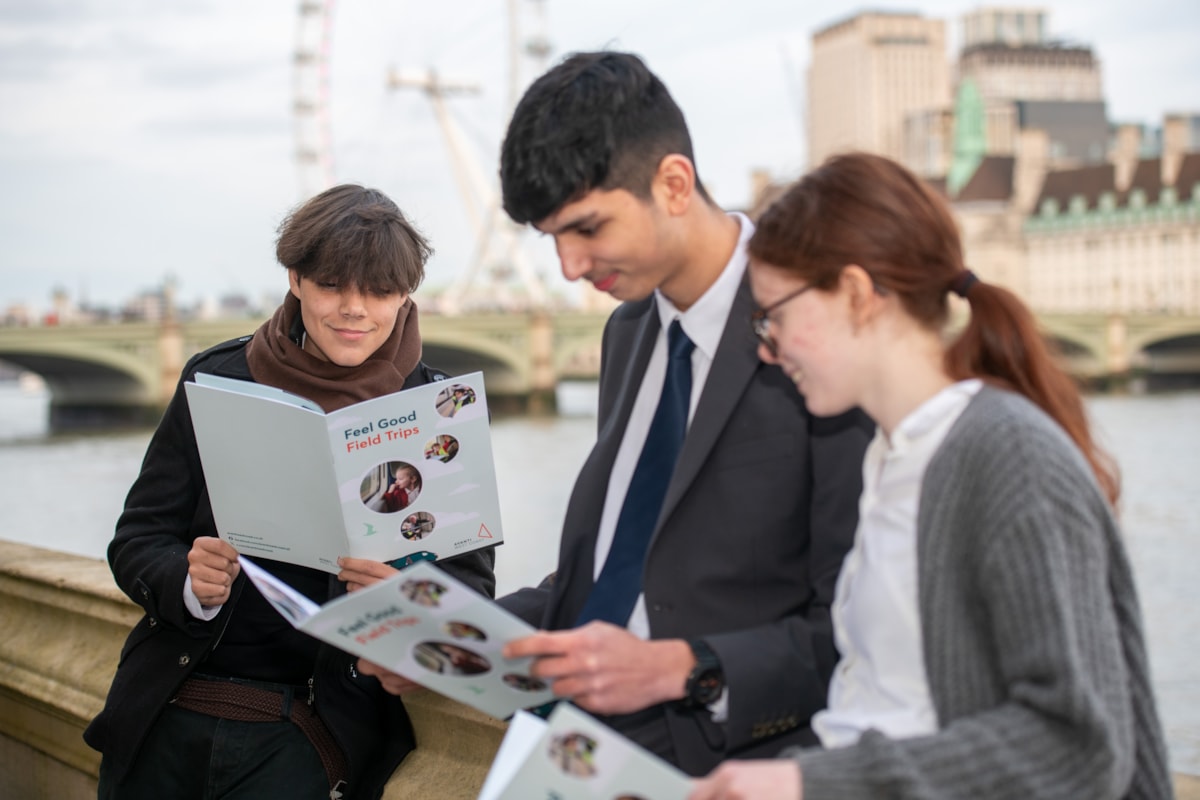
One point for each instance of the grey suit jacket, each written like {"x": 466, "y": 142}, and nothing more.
{"x": 758, "y": 516}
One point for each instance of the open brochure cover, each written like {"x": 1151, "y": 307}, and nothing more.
{"x": 403, "y": 477}
{"x": 572, "y": 756}
{"x": 426, "y": 626}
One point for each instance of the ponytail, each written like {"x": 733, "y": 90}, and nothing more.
{"x": 864, "y": 209}
{"x": 1002, "y": 342}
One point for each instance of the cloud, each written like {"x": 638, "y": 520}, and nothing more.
{"x": 161, "y": 133}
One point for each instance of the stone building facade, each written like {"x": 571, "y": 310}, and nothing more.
{"x": 867, "y": 74}
{"x": 1121, "y": 237}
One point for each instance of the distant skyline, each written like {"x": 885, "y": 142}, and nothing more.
{"x": 141, "y": 139}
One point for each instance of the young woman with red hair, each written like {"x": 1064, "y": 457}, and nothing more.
{"x": 988, "y": 626}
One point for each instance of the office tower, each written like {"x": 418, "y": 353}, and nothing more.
{"x": 868, "y": 74}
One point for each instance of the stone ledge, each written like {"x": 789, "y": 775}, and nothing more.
{"x": 455, "y": 748}
{"x": 64, "y": 621}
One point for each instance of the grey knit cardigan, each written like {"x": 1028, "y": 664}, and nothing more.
{"x": 1033, "y": 639}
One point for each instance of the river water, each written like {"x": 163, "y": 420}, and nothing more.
{"x": 65, "y": 492}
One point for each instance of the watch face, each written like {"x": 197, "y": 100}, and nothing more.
{"x": 707, "y": 680}
{"x": 708, "y": 686}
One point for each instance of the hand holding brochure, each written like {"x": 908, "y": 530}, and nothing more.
{"x": 407, "y": 476}
{"x": 426, "y": 626}
{"x": 572, "y": 756}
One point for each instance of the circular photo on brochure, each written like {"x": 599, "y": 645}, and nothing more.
{"x": 454, "y": 399}
{"x": 390, "y": 487}
{"x": 524, "y": 683}
{"x": 574, "y": 753}
{"x": 423, "y": 593}
{"x": 449, "y": 659}
{"x": 464, "y": 630}
{"x": 417, "y": 526}
{"x": 442, "y": 447}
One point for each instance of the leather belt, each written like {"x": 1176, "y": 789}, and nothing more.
{"x": 241, "y": 702}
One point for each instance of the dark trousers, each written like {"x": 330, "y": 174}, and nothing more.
{"x": 191, "y": 756}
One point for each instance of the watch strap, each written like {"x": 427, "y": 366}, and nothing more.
{"x": 706, "y": 681}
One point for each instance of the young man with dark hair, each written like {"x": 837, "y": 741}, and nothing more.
{"x": 695, "y": 638}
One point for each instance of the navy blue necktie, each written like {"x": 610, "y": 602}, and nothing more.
{"x": 616, "y": 590}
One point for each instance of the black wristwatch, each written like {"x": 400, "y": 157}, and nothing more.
{"x": 706, "y": 681}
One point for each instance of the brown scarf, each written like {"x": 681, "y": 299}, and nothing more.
{"x": 276, "y": 359}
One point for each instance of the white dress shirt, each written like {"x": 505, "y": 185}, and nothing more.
{"x": 704, "y": 323}
{"x": 880, "y": 681}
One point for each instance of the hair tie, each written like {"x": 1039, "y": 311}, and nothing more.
{"x": 963, "y": 282}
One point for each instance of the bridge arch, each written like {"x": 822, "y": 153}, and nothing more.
{"x": 503, "y": 374}
{"x": 90, "y": 382}
{"x": 1172, "y": 362}
{"x": 128, "y": 372}
{"x": 1071, "y": 347}
{"x": 1166, "y": 336}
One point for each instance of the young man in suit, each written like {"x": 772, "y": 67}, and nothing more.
{"x": 697, "y": 637}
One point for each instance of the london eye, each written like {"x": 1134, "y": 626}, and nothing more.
{"x": 356, "y": 70}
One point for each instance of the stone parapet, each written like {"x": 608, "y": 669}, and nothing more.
{"x": 64, "y": 621}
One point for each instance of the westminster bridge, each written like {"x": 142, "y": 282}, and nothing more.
{"x": 126, "y": 372}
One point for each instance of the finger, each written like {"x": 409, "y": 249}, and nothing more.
{"x": 215, "y": 546}
{"x": 206, "y": 592}
{"x": 366, "y": 568}
{"x": 219, "y": 582}
{"x": 600, "y": 704}
{"x": 366, "y": 667}
{"x": 211, "y": 560}
{"x": 542, "y": 643}
{"x": 703, "y": 789}
{"x": 211, "y": 595}
{"x": 209, "y": 575}
{"x": 553, "y": 668}
{"x": 575, "y": 689}
{"x": 356, "y": 579}
{"x": 393, "y": 683}
{"x": 398, "y": 684}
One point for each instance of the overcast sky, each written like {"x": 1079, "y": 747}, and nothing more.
{"x": 142, "y": 138}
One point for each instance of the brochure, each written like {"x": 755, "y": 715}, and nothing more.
{"x": 404, "y": 477}
{"x": 573, "y": 756}
{"x": 524, "y": 730}
{"x": 426, "y": 626}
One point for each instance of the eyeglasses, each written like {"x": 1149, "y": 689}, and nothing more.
{"x": 760, "y": 321}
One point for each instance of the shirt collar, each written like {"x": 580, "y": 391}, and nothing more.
{"x": 943, "y": 407}
{"x": 704, "y": 322}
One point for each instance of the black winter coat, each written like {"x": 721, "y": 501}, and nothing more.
{"x": 166, "y": 509}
